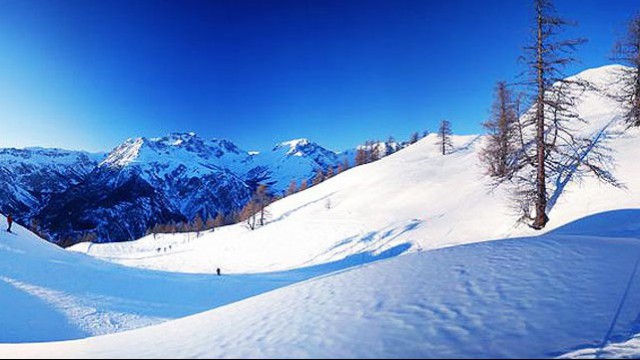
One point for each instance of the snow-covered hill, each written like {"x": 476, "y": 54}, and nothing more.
{"x": 520, "y": 298}
{"x": 50, "y": 294}
{"x": 415, "y": 197}
{"x": 571, "y": 289}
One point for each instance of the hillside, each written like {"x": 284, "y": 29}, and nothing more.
{"x": 415, "y": 198}
{"x": 520, "y": 298}
{"x": 388, "y": 259}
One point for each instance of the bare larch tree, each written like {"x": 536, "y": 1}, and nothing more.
{"x": 551, "y": 148}
{"x": 500, "y": 152}
{"x": 444, "y": 137}
{"x": 627, "y": 51}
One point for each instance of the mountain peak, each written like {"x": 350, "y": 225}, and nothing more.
{"x": 294, "y": 147}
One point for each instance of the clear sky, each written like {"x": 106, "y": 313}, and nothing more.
{"x": 87, "y": 74}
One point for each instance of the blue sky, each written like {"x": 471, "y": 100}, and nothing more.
{"x": 87, "y": 74}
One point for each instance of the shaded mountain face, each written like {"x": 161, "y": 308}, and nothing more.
{"x": 30, "y": 177}
{"x": 145, "y": 181}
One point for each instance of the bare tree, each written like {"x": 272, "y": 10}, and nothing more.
{"x": 303, "y": 185}
{"x": 551, "y": 150}
{"x": 318, "y": 178}
{"x": 500, "y": 153}
{"x": 444, "y": 137}
{"x": 627, "y": 51}
{"x": 292, "y": 187}
{"x": 414, "y": 138}
{"x": 262, "y": 200}
{"x": 219, "y": 220}
{"x": 345, "y": 164}
{"x": 361, "y": 156}
{"x": 330, "y": 172}
{"x": 197, "y": 225}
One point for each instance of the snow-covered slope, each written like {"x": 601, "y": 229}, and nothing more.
{"x": 415, "y": 197}
{"x": 50, "y": 294}
{"x": 572, "y": 289}
{"x": 519, "y": 298}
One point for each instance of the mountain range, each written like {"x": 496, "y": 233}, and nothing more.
{"x": 66, "y": 195}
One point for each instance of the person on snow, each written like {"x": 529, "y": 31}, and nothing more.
{"x": 218, "y": 271}
{"x": 9, "y": 222}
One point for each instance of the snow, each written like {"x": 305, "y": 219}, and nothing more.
{"x": 388, "y": 259}
{"x": 527, "y": 297}
{"x": 73, "y": 296}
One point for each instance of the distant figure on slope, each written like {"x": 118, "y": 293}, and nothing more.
{"x": 218, "y": 271}
{"x": 9, "y": 222}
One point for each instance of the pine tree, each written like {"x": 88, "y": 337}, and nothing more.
{"x": 444, "y": 137}
{"x": 627, "y": 51}
{"x": 500, "y": 153}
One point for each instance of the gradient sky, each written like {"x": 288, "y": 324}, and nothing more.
{"x": 87, "y": 74}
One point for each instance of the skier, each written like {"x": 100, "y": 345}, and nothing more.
{"x": 218, "y": 271}
{"x": 9, "y": 221}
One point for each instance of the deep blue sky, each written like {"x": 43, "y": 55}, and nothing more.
{"x": 88, "y": 74}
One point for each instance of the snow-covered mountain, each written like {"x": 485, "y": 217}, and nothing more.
{"x": 145, "y": 181}
{"x": 29, "y": 177}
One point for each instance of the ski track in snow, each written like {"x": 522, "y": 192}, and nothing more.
{"x": 83, "y": 312}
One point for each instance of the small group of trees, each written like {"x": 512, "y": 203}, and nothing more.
{"x": 254, "y": 213}
{"x": 538, "y": 152}
{"x": 197, "y": 224}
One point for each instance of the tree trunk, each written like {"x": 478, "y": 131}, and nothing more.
{"x": 541, "y": 186}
